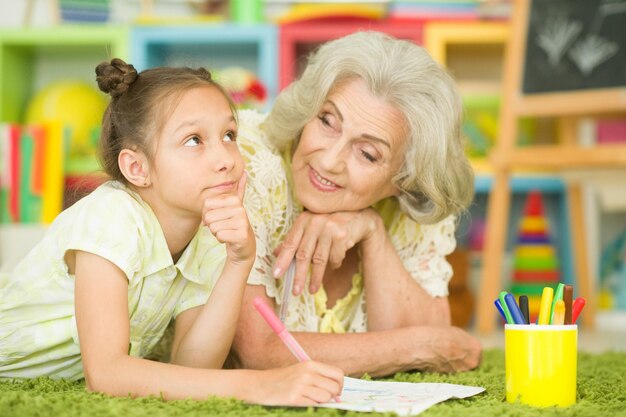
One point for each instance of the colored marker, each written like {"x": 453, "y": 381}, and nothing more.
{"x": 507, "y": 313}
{"x": 546, "y": 303}
{"x": 577, "y": 307}
{"x": 523, "y": 306}
{"x": 559, "y": 312}
{"x": 279, "y": 328}
{"x": 558, "y": 295}
{"x": 568, "y": 294}
{"x": 499, "y": 307}
{"x": 516, "y": 313}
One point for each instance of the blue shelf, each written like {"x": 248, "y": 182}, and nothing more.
{"x": 523, "y": 184}
{"x": 213, "y": 46}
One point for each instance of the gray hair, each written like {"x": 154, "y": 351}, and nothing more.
{"x": 436, "y": 179}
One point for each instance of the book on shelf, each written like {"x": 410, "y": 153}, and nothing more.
{"x": 9, "y": 172}
{"x": 455, "y": 10}
{"x": 31, "y": 171}
{"x": 34, "y": 168}
{"x": 602, "y": 131}
{"x": 85, "y": 10}
{"x": 611, "y": 131}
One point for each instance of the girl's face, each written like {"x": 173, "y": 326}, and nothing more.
{"x": 196, "y": 153}
{"x": 348, "y": 154}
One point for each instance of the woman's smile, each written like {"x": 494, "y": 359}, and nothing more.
{"x": 322, "y": 183}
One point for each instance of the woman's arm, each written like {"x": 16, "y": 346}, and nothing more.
{"x": 101, "y": 302}
{"x": 378, "y": 353}
{"x": 393, "y": 298}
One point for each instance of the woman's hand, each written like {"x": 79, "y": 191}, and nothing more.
{"x": 445, "y": 349}
{"x": 305, "y": 383}
{"x": 320, "y": 239}
{"x": 228, "y": 221}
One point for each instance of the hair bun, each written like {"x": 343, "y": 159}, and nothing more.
{"x": 205, "y": 73}
{"x": 116, "y": 77}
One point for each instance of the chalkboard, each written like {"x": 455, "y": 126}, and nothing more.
{"x": 575, "y": 45}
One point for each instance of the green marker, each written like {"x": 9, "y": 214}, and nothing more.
{"x": 558, "y": 295}
{"x": 507, "y": 313}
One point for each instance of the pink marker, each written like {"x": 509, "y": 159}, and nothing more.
{"x": 282, "y": 332}
{"x": 279, "y": 328}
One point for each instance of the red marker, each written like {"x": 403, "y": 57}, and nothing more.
{"x": 579, "y": 303}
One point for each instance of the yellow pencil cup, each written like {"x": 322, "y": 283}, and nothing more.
{"x": 540, "y": 362}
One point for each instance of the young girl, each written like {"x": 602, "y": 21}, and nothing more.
{"x": 96, "y": 294}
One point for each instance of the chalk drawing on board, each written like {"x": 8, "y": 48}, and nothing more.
{"x": 556, "y": 35}
{"x": 592, "y": 51}
{"x": 561, "y": 37}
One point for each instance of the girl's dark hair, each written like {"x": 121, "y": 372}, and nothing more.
{"x": 139, "y": 105}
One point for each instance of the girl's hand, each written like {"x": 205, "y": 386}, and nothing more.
{"x": 319, "y": 239}
{"x": 305, "y": 383}
{"x": 227, "y": 219}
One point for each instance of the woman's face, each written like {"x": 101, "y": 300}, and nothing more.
{"x": 348, "y": 154}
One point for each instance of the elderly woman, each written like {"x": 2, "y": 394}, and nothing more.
{"x": 358, "y": 172}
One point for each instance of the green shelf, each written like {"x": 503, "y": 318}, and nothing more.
{"x": 32, "y": 58}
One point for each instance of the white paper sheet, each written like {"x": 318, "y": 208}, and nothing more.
{"x": 402, "y": 398}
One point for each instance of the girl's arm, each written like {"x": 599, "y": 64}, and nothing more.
{"x": 101, "y": 302}
{"x": 378, "y": 353}
{"x": 203, "y": 335}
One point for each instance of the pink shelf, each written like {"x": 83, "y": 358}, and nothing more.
{"x": 298, "y": 39}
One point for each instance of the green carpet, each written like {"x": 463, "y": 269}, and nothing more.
{"x": 601, "y": 392}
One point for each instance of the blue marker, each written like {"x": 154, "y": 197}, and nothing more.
{"x": 499, "y": 307}
{"x": 516, "y": 313}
